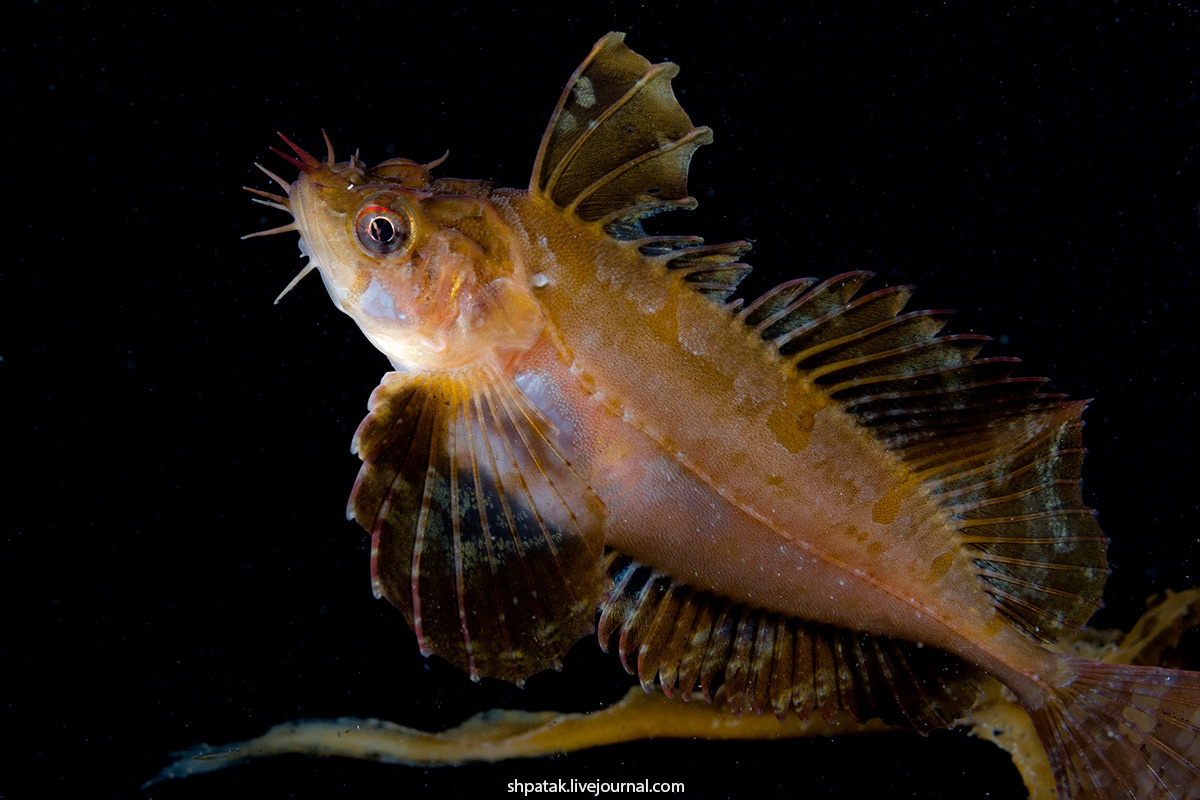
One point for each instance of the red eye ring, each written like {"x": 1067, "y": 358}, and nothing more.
{"x": 381, "y": 231}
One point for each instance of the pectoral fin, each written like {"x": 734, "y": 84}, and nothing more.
{"x": 481, "y": 532}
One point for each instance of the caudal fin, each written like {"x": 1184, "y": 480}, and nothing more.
{"x": 1123, "y": 733}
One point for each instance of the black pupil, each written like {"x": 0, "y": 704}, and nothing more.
{"x": 382, "y": 230}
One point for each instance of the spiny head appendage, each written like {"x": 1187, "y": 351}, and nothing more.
{"x": 306, "y": 163}
{"x": 278, "y": 201}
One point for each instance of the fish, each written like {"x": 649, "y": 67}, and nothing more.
{"x": 812, "y": 501}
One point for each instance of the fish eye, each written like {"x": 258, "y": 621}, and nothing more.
{"x": 380, "y": 229}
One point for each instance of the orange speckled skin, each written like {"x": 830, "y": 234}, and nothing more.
{"x": 719, "y": 465}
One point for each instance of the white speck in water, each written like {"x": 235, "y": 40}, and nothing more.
{"x": 539, "y": 280}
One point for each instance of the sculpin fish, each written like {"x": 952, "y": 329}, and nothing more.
{"x": 813, "y": 499}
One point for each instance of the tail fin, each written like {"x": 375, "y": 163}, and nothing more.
{"x": 1123, "y": 733}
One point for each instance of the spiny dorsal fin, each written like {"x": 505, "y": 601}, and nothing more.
{"x": 766, "y": 661}
{"x": 481, "y": 533}
{"x": 618, "y": 149}
{"x": 1002, "y": 458}
{"x": 618, "y": 146}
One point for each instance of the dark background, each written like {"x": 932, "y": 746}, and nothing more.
{"x": 176, "y": 565}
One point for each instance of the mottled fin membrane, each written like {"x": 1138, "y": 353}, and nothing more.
{"x": 768, "y": 662}
{"x": 481, "y": 533}
{"x": 1002, "y": 458}
{"x": 617, "y": 150}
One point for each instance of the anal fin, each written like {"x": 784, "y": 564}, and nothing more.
{"x": 768, "y": 661}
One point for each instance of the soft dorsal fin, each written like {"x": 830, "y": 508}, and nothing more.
{"x": 481, "y": 532}
{"x": 1000, "y": 457}
{"x": 618, "y": 146}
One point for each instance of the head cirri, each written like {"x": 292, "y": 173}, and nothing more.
{"x": 427, "y": 268}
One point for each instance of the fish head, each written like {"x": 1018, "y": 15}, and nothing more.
{"x": 427, "y": 268}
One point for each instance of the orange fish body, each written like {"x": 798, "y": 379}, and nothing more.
{"x": 812, "y": 500}
{"x": 754, "y": 464}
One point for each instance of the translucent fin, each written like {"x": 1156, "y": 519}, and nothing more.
{"x": 618, "y": 146}
{"x": 1001, "y": 457}
{"x": 1123, "y": 733}
{"x": 1038, "y": 548}
{"x": 768, "y": 662}
{"x": 481, "y": 533}
{"x": 713, "y": 270}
